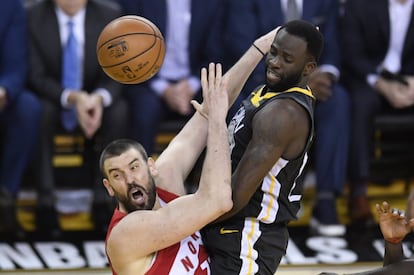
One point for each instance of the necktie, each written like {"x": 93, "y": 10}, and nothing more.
{"x": 292, "y": 12}
{"x": 70, "y": 76}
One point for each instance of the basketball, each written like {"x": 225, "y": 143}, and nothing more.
{"x": 130, "y": 49}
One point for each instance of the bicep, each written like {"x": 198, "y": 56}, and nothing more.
{"x": 270, "y": 140}
{"x": 253, "y": 167}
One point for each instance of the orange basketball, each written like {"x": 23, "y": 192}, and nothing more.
{"x": 130, "y": 49}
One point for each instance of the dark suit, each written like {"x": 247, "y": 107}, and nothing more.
{"x": 366, "y": 36}
{"x": 19, "y": 120}
{"x": 247, "y": 20}
{"x": 45, "y": 80}
{"x": 147, "y": 108}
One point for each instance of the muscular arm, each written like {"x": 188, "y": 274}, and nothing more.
{"x": 283, "y": 135}
{"x": 194, "y": 134}
{"x": 142, "y": 233}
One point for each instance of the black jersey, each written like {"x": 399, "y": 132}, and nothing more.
{"x": 278, "y": 197}
{"x": 255, "y": 239}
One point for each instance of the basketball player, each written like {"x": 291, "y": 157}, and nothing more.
{"x": 270, "y": 136}
{"x": 152, "y": 231}
{"x": 395, "y": 225}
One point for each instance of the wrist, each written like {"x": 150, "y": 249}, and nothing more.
{"x": 258, "y": 49}
{"x": 202, "y": 113}
{"x": 393, "y": 240}
{"x": 72, "y": 98}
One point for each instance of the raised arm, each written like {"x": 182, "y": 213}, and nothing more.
{"x": 144, "y": 232}
{"x": 174, "y": 171}
{"x": 238, "y": 74}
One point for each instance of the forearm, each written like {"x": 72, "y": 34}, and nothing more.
{"x": 216, "y": 173}
{"x": 393, "y": 253}
{"x": 240, "y": 72}
{"x": 179, "y": 157}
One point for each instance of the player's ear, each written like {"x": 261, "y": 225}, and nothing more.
{"x": 309, "y": 68}
{"x": 108, "y": 187}
{"x": 151, "y": 165}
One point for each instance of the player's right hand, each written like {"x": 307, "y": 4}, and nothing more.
{"x": 214, "y": 91}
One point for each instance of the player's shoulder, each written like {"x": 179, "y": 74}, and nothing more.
{"x": 280, "y": 115}
{"x": 282, "y": 105}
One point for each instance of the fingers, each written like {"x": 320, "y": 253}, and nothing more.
{"x": 211, "y": 81}
{"x": 204, "y": 84}
{"x": 211, "y": 75}
{"x": 195, "y": 105}
{"x": 213, "y": 78}
{"x": 218, "y": 75}
{"x": 383, "y": 208}
{"x": 397, "y": 212}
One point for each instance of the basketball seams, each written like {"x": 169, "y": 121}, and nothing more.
{"x": 135, "y": 44}
{"x": 132, "y": 57}
{"x": 156, "y": 31}
{"x": 124, "y": 35}
{"x": 151, "y": 68}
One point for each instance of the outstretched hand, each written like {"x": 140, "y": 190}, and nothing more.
{"x": 393, "y": 223}
{"x": 214, "y": 88}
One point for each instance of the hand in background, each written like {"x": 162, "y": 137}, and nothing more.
{"x": 89, "y": 110}
{"x": 178, "y": 97}
{"x": 398, "y": 95}
{"x": 393, "y": 223}
{"x": 321, "y": 84}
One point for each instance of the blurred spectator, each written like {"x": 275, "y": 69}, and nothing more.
{"x": 89, "y": 100}
{"x": 250, "y": 19}
{"x": 191, "y": 29}
{"x": 19, "y": 110}
{"x": 378, "y": 37}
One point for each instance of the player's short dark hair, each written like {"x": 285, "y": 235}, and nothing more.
{"x": 307, "y": 32}
{"x": 117, "y": 148}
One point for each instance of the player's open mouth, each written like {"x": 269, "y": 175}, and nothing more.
{"x": 137, "y": 195}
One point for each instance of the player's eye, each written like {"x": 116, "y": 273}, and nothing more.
{"x": 116, "y": 176}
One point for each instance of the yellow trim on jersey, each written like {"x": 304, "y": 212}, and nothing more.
{"x": 257, "y": 96}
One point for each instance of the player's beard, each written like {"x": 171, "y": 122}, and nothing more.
{"x": 285, "y": 83}
{"x": 149, "y": 192}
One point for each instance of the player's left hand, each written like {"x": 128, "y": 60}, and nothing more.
{"x": 393, "y": 223}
